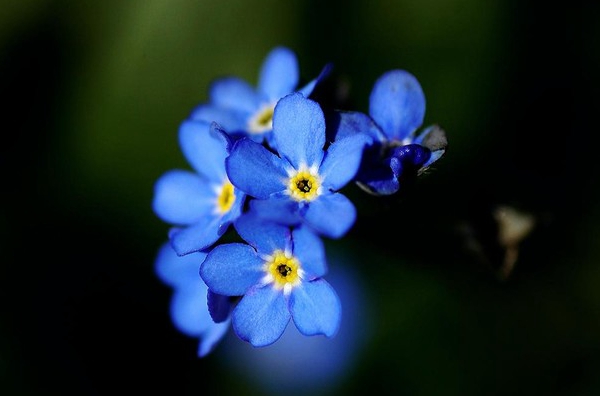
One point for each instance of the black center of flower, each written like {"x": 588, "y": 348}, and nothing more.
{"x": 304, "y": 185}
{"x": 284, "y": 270}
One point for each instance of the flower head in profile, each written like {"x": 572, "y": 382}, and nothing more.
{"x": 278, "y": 272}
{"x": 301, "y": 182}
{"x": 188, "y": 308}
{"x": 202, "y": 204}
{"x": 245, "y": 110}
{"x": 396, "y": 111}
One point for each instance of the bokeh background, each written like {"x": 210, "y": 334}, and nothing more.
{"x": 93, "y": 93}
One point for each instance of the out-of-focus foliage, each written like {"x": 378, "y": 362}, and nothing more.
{"x": 94, "y": 93}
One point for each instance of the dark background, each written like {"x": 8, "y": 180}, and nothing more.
{"x": 93, "y": 93}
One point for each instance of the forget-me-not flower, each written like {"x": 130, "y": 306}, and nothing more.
{"x": 319, "y": 365}
{"x": 396, "y": 111}
{"x": 188, "y": 308}
{"x": 279, "y": 274}
{"x": 301, "y": 182}
{"x": 201, "y": 205}
{"x": 244, "y": 110}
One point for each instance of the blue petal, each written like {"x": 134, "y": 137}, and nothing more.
{"x": 205, "y": 148}
{"x": 316, "y": 308}
{"x": 219, "y": 306}
{"x": 307, "y": 89}
{"x": 255, "y": 170}
{"x": 175, "y": 270}
{"x": 342, "y": 124}
{"x": 230, "y": 269}
{"x": 375, "y": 175}
{"x": 279, "y": 74}
{"x": 318, "y": 363}
{"x": 189, "y": 311}
{"x": 278, "y": 208}
{"x": 397, "y": 104}
{"x": 181, "y": 197}
{"x": 380, "y": 186}
{"x": 188, "y": 307}
{"x": 342, "y": 161}
{"x": 199, "y": 236}
{"x": 211, "y": 337}
{"x": 299, "y": 130}
{"x": 234, "y": 93}
{"x": 264, "y": 236}
{"x": 229, "y": 119}
{"x": 411, "y": 156}
{"x": 261, "y": 316}
{"x": 331, "y": 215}
{"x": 397, "y": 167}
{"x": 310, "y": 251}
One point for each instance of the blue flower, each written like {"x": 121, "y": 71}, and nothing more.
{"x": 301, "y": 184}
{"x": 396, "y": 111}
{"x": 243, "y": 110}
{"x": 200, "y": 205}
{"x": 320, "y": 365}
{"x": 189, "y": 309}
{"x": 279, "y": 274}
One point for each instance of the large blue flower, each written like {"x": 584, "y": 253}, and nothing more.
{"x": 247, "y": 111}
{"x": 279, "y": 274}
{"x": 189, "y": 309}
{"x": 301, "y": 183}
{"x": 396, "y": 111}
{"x": 200, "y": 205}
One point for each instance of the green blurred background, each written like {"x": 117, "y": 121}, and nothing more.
{"x": 93, "y": 93}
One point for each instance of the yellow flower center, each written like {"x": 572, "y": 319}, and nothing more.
{"x": 305, "y": 184}
{"x": 262, "y": 120}
{"x": 284, "y": 269}
{"x": 225, "y": 197}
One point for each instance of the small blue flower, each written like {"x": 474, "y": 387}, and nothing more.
{"x": 244, "y": 110}
{"x": 320, "y": 365}
{"x": 279, "y": 274}
{"x": 301, "y": 184}
{"x": 189, "y": 309}
{"x": 200, "y": 205}
{"x": 396, "y": 111}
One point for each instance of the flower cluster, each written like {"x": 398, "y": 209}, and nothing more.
{"x": 269, "y": 166}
